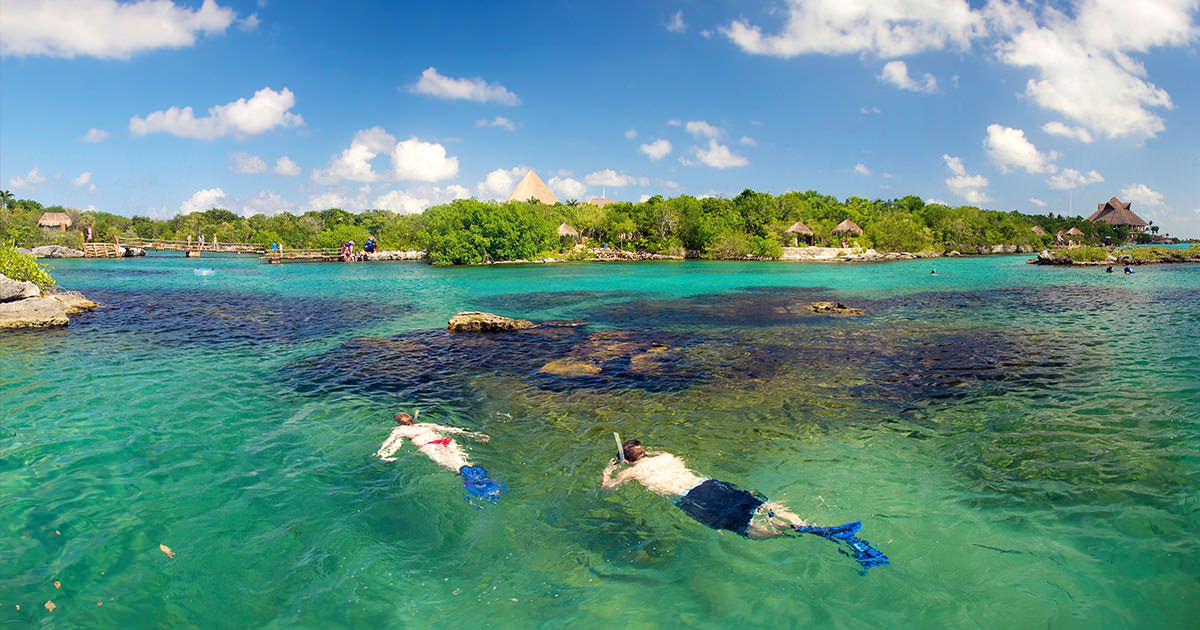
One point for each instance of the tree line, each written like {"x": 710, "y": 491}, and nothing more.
{"x": 750, "y": 225}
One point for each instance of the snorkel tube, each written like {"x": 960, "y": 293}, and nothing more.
{"x": 620, "y": 449}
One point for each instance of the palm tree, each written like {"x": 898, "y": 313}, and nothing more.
{"x": 5, "y": 197}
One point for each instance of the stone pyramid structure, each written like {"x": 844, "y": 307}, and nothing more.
{"x": 531, "y": 186}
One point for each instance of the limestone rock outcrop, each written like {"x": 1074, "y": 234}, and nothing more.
{"x": 476, "y": 321}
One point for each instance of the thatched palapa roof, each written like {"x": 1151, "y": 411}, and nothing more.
{"x": 600, "y": 202}
{"x": 55, "y": 220}
{"x": 532, "y": 187}
{"x": 1074, "y": 231}
{"x": 1037, "y": 229}
{"x": 566, "y": 230}
{"x": 799, "y": 228}
{"x": 847, "y": 226}
{"x": 1116, "y": 212}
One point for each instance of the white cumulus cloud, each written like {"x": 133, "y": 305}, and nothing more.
{"x": 567, "y": 187}
{"x": 242, "y": 162}
{"x": 411, "y": 159}
{"x": 1142, "y": 194}
{"x": 285, "y": 166}
{"x": 1081, "y": 53}
{"x": 631, "y": 134}
{"x": 500, "y": 183}
{"x": 1070, "y": 178}
{"x": 896, "y": 73}
{"x": 702, "y": 129}
{"x": 1009, "y": 148}
{"x": 973, "y": 188}
{"x": 419, "y": 199}
{"x": 1056, "y": 128}
{"x": 609, "y": 177}
{"x": 1082, "y": 63}
{"x": 84, "y": 179}
{"x": 438, "y": 86}
{"x": 656, "y": 150}
{"x": 862, "y": 169}
{"x": 260, "y": 113}
{"x": 204, "y": 199}
{"x": 748, "y": 141}
{"x": 1037, "y": 202}
{"x": 719, "y": 156}
{"x": 94, "y": 135}
{"x": 30, "y": 181}
{"x": 885, "y": 28}
{"x": 105, "y": 29}
{"x": 420, "y": 161}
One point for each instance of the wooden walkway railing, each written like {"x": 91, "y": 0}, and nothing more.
{"x": 195, "y": 246}
{"x": 101, "y": 250}
{"x": 113, "y": 250}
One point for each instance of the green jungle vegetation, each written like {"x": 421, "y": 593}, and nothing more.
{"x": 465, "y": 231}
{"x": 23, "y": 267}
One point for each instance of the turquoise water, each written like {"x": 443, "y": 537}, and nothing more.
{"x": 1022, "y": 441}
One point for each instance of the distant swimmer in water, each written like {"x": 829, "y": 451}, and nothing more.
{"x": 1128, "y": 269}
{"x": 933, "y": 272}
{"x": 432, "y": 441}
{"x": 722, "y": 505}
{"x": 1109, "y": 269}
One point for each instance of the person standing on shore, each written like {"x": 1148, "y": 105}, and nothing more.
{"x": 433, "y": 441}
{"x": 722, "y": 505}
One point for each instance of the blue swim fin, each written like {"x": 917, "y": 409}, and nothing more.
{"x": 859, "y": 549}
{"x": 477, "y": 483}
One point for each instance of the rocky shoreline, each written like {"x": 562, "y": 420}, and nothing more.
{"x": 25, "y": 305}
{"x": 1160, "y": 256}
{"x": 60, "y": 251}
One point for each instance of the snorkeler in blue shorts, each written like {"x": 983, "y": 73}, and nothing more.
{"x": 722, "y": 505}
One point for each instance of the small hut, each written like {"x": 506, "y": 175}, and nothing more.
{"x": 600, "y": 202}
{"x": 847, "y": 227}
{"x": 1117, "y": 213}
{"x": 532, "y": 187}
{"x": 1037, "y": 229}
{"x": 565, "y": 231}
{"x": 55, "y": 220}
{"x": 797, "y": 230}
{"x": 1074, "y": 231}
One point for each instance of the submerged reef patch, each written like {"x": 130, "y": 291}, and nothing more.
{"x": 216, "y": 317}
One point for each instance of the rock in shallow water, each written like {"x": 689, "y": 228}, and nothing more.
{"x": 570, "y": 367}
{"x": 39, "y": 312}
{"x": 475, "y": 321}
{"x": 12, "y": 290}
{"x": 835, "y": 308}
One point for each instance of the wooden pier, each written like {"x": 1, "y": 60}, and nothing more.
{"x": 193, "y": 249}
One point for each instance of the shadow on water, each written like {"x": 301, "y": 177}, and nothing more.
{"x": 211, "y": 317}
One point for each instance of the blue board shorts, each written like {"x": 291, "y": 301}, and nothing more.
{"x": 721, "y": 505}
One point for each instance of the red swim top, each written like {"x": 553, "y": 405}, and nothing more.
{"x": 441, "y": 442}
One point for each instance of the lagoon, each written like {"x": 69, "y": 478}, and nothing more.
{"x": 1022, "y": 442}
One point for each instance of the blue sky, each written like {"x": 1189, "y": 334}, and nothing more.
{"x": 159, "y": 107}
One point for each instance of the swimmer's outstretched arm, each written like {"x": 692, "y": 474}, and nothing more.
{"x": 391, "y": 445}
{"x": 608, "y": 482}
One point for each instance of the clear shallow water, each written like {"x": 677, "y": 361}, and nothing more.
{"x": 1022, "y": 441}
